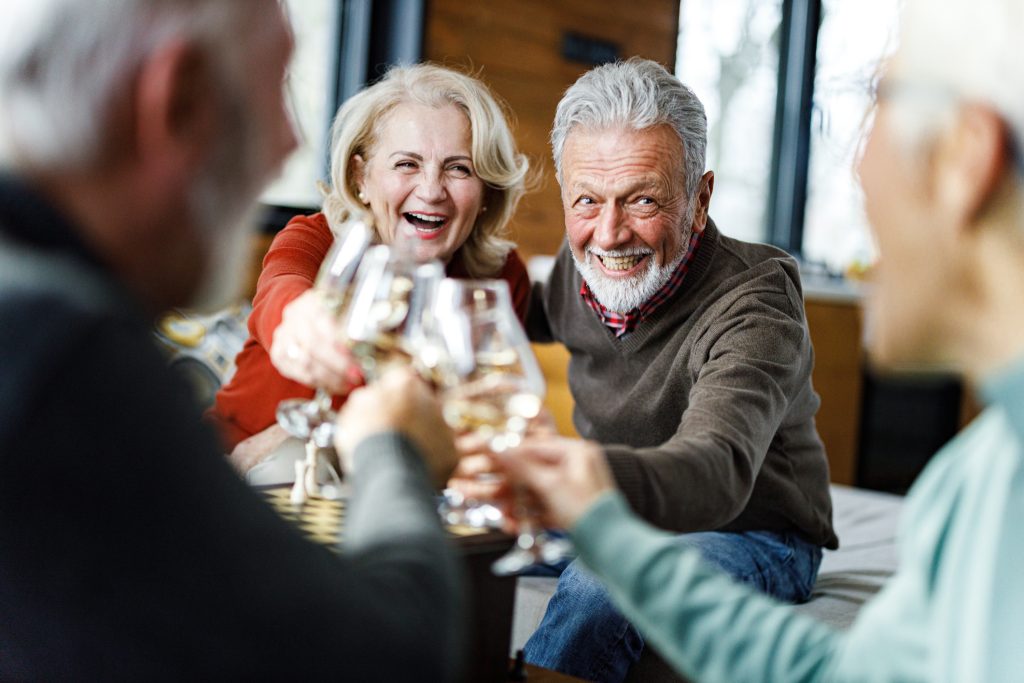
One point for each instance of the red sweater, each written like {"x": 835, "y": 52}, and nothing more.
{"x": 247, "y": 404}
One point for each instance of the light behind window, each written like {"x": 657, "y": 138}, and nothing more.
{"x": 310, "y": 88}
{"x": 729, "y": 55}
{"x": 854, "y": 37}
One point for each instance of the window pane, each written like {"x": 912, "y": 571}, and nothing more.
{"x": 729, "y": 55}
{"x": 854, "y": 36}
{"x": 309, "y": 84}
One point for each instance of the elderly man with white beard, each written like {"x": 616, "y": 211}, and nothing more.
{"x": 690, "y": 359}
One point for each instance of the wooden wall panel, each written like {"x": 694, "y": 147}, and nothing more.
{"x": 838, "y": 378}
{"x": 515, "y": 47}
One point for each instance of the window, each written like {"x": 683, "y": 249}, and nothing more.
{"x": 729, "y": 55}
{"x": 311, "y": 94}
{"x": 340, "y": 45}
{"x": 853, "y": 37}
{"x": 786, "y": 85}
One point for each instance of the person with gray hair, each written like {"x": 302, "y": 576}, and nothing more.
{"x": 690, "y": 359}
{"x": 943, "y": 179}
{"x": 134, "y": 137}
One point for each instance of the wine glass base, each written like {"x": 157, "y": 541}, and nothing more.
{"x": 530, "y": 551}
{"x": 457, "y": 510}
{"x": 302, "y": 419}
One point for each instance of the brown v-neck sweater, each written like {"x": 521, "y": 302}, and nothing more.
{"x": 706, "y": 410}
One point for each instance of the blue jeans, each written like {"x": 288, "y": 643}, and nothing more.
{"x": 582, "y": 633}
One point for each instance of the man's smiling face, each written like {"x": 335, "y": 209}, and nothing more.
{"x": 626, "y": 212}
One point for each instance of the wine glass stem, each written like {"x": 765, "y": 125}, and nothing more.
{"x": 323, "y": 401}
{"x": 527, "y": 527}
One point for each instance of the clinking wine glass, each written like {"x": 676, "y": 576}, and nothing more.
{"x": 389, "y": 295}
{"x": 312, "y": 420}
{"x": 492, "y": 386}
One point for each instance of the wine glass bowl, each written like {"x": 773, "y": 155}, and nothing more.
{"x": 389, "y": 296}
{"x": 496, "y": 407}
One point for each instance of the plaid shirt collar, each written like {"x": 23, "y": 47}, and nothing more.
{"x": 624, "y": 323}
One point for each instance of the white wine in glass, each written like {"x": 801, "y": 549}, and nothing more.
{"x": 389, "y": 293}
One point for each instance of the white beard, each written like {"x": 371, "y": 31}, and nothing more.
{"x": 223, "y": 209}
{"x": 622, "y": 296}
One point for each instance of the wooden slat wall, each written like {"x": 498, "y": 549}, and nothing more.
{"x": 838, "y": 378}
{"x": 514, "y": 46}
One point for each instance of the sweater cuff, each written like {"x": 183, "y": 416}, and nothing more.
{"x": 386, "y": 451}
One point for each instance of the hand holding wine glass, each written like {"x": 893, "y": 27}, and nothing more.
{"x": 313, "y": 420}
{"x": 400, "y": 401}
{"x": 308, "y": 346}
{"x": 566, "y": 476}
{"x": 492, "y": 387}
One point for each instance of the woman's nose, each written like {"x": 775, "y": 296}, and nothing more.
{"x": 431, "y": 187}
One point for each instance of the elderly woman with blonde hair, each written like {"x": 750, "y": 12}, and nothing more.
{"x": 428, "y": 153}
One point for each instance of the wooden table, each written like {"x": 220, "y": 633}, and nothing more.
{"x": 490, "y": 599}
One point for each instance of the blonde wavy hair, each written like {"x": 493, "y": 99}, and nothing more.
{"x": 503, "y": 169}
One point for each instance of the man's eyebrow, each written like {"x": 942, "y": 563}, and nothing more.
{"x": 640, "y": 184}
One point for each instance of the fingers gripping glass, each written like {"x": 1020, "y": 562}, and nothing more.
{"x": 491, "y": 386}
{"x": 312, "y": 420}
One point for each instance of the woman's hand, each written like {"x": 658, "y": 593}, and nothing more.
{"x": 256, "y": 448}
{"x": 308, "y": 348}
{"x": 398, "y": 402}
{"x": 566, "y": 476}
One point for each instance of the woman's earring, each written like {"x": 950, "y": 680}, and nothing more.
{"x": 362, "y": 197}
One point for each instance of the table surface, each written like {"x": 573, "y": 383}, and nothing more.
{"x": 491, "y": 598}
{"x": 535, "y": 674}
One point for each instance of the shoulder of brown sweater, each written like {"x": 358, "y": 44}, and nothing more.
{"x": 755, "y": 266}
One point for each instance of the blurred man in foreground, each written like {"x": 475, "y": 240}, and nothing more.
{"x": 134, "y": 136}
{"x": 943, "y": 178}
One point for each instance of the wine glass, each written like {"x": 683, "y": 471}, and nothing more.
{"x": 311, "y": 420}
{"x": 491, "y": 386}
{"x": 384, "y": 318}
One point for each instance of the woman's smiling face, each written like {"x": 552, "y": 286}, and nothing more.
{"x": 419, "y": 179}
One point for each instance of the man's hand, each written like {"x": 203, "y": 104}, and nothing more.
{"x": 401, "y": 402}
{"x": 308, "y": 348}
{"x": 478, "y": 476}
{"x": 565, "y": 475}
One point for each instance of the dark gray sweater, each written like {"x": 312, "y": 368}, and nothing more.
{"x": 706, "y": 410}
{"x": 129, "y": 550}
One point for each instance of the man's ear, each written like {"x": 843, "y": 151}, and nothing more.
{"x": 969, "y": 162}
{"x": 704, "y": 192}
{"x": 176, "y": 117}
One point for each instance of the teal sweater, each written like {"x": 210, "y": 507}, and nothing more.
{"x": 954, "y": 611}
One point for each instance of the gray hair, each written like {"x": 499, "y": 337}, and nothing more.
{"x": 63, "y": 62}
{"x": 637, "y": 94}
{"x": 941, "y": 56}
